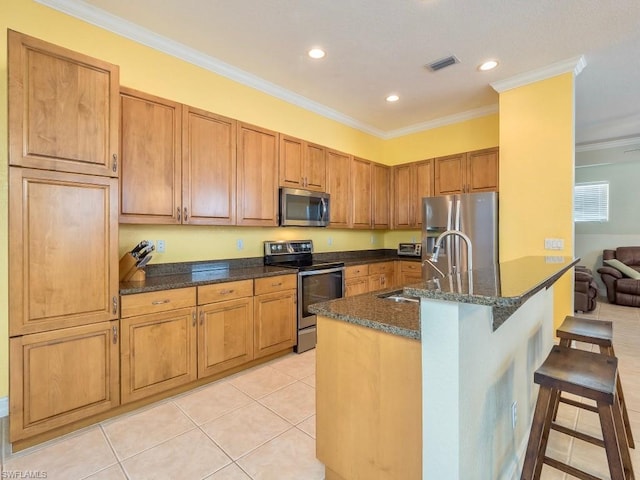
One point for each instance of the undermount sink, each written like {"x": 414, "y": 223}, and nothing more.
{"x": 398, "y": 296}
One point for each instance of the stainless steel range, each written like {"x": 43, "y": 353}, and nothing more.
{"x": 317, "y": 282}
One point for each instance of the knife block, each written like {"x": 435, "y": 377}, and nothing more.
{"x": 129, "y": 272}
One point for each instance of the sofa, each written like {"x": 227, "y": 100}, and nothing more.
{"x": 585, "y": 290}
{"x": 621, "y": 275}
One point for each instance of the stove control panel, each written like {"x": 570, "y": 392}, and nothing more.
{"x": 284, "y": 247}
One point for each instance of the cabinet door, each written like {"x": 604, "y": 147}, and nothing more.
{"x": 356, "y": 286}
{"x": 338, "y": 183}
{"x": 275, "y": 326}
{"x": 403, "y": 203}
{"x": 63, "y": 250}
{"x": 291, "y": 153}
{"x": 450, "y": 174}
{"x": 381, "y": 195}
{"x": 257, "y": 189}
{"x": 225, "y": 335}
{"x": 361, "y": 193}
{"x": 63, "y": 109}
{"x": 157, "y": 352}
{"x": 150, "y": 183}
{"x": 482, "y": 170}
{"x": 410, "y": 272}
{"x": 423, "y": 188}
{"x": 63, "y": 376}
{"x": 208, "y": 168}
{"x": 315, "y": 167}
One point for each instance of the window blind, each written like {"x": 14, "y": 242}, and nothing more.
{"x": 591, "y": 202}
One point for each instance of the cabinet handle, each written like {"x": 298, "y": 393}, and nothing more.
{"x": 193, "y": 316}
{"x": 226, "y": 292}
{"x": 186, "y": 215}
{"x": 114, "y": 332}
{"x": 160, "y": 302}
{"x": 178, "y": 211}
{"x": 115, "y": 304}
{"x": 201, "y": 317}
{"x": 276, "y": 284}
{"x": 114, "y": 164}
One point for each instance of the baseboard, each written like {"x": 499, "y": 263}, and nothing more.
{"x": 4, "y": 407}
{"x": 514, "y": 470}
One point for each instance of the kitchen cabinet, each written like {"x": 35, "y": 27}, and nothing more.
{"x": 468, "y": 172}
{"x": 302, "y": 164}
{"x": 361, "y": 213}
{"x": 410, "y": 272}
{"x": 63, "y": 250}
{"x": 63, "y": 109}
{"x": 275, "y": 314}
{"x": 225, "y": 326}
{"x": 381, "y": 275}
{"x": 257, "y": 176}
{"x": 150, "y": 183}
{"x": 381, "y": 196}
{"x": 62, "y": 376}
{"x": 356, "y": 280}
{"x": 338, "y": 186}
{"x": 411, "y": 183}
{"x": 158, "y": 343}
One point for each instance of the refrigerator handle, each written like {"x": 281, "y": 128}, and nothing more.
{"x": 450, "y": 216}
{"x": 457, "y": 227}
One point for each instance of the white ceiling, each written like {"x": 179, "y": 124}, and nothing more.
{"x": 376, "y": 47}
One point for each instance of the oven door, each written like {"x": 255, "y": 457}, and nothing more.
{"x": 315, "y": 286}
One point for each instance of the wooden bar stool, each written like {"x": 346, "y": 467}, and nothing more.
{"x": 595, "y": 332}
{"x": 588, "y": 375}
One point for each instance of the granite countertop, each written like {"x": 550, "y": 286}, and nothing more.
{"x": 190, "y": 274}
{"x": 504, "y": 287}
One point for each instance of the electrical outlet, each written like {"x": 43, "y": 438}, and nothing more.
{"x": 373, "y": 239}
{"x": 239, "y": 244}
{"x": 329, "y": 241}
{"x": 514, "y": 414}
{"x": 152, "y": 242}
{"x": 160, "y": 247}
{"x": 553, "y": 244}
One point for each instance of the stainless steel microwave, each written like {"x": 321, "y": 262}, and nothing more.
{"x": 303, "y": 208}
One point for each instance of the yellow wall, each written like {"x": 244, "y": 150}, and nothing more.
{"x": 537, "y": 174}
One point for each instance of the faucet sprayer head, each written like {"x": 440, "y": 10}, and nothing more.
{"x": 436, "y": 252}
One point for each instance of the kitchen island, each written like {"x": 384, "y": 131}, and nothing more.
{"x": 452, "y": 398}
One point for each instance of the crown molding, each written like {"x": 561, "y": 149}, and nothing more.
{"x": 622, "y": 142}
{"x": 574, "y": 65}
{"x": 443, "y": 121}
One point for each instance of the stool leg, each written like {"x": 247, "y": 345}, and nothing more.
{"x": 623, "y": 405}
{"x": 546, "y": 428}
{"x": 535, "y": 455}
{"x": 622, "y": 438}
{"x": 564, "y": 342}
{"x": 611, "y": 445}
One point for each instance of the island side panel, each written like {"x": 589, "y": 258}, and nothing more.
{"x": 368, "y": 403}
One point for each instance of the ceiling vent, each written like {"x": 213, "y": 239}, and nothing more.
{"x": 442, "y": 63}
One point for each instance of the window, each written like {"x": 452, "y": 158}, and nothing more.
{"x": 591, "y": 202}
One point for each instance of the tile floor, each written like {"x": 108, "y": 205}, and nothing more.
{"x": 260, "y": 424}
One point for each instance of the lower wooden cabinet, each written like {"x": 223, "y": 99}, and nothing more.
{"x": 158, "y": 352}
{"x": 410, "y": 272}
{"x": 275, "y": 325}
{"x": 356, "y": 280}
{"x": 381, "y": 275}
{"x": 62, "y": 376}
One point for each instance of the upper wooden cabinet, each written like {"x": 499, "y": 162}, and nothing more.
{"x": 63, "y": 109}
{"x": 467, "y": 172}
{"x": 302, "y": 164}
{"x": 257, "y": 181}
{"x": 381, "y": 196}
{"x": 411, "y": 183}
{"x": 150, "y": 183}
{"x": 63, "y": 250}
{"x": 361, "y": 212}
{"x": 338, "y": 186}
{"x": 208, "y": 168}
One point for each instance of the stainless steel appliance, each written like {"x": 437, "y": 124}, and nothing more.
{"x": 317, "y": 282}
{"x": 410, "y": 249}
{"x": 304, "y": 208}
{"x": 475, "y": 215}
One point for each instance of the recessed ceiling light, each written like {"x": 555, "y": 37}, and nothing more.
{"x": 317, "y": 53}
{"x": 488, "y": 65}
{"x": 393, "y": 98}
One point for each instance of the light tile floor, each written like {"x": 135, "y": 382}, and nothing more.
{"x": 260, "y": 424}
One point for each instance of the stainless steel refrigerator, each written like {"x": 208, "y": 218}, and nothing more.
{"x": 474, "y": 214}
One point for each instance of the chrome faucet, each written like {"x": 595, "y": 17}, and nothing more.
{"x": 467, "y": 241}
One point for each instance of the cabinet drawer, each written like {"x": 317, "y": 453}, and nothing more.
{"x": 356, "y": 271}
{"x": 410, "y": 267}
{"x": 224, "y": 291}
{"x": 162, "y": 301}
{"x": 382, "y": 267}
{"x": 275, "y": 284}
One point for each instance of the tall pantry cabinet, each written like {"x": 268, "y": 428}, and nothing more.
{"x": 63, "y": 231}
